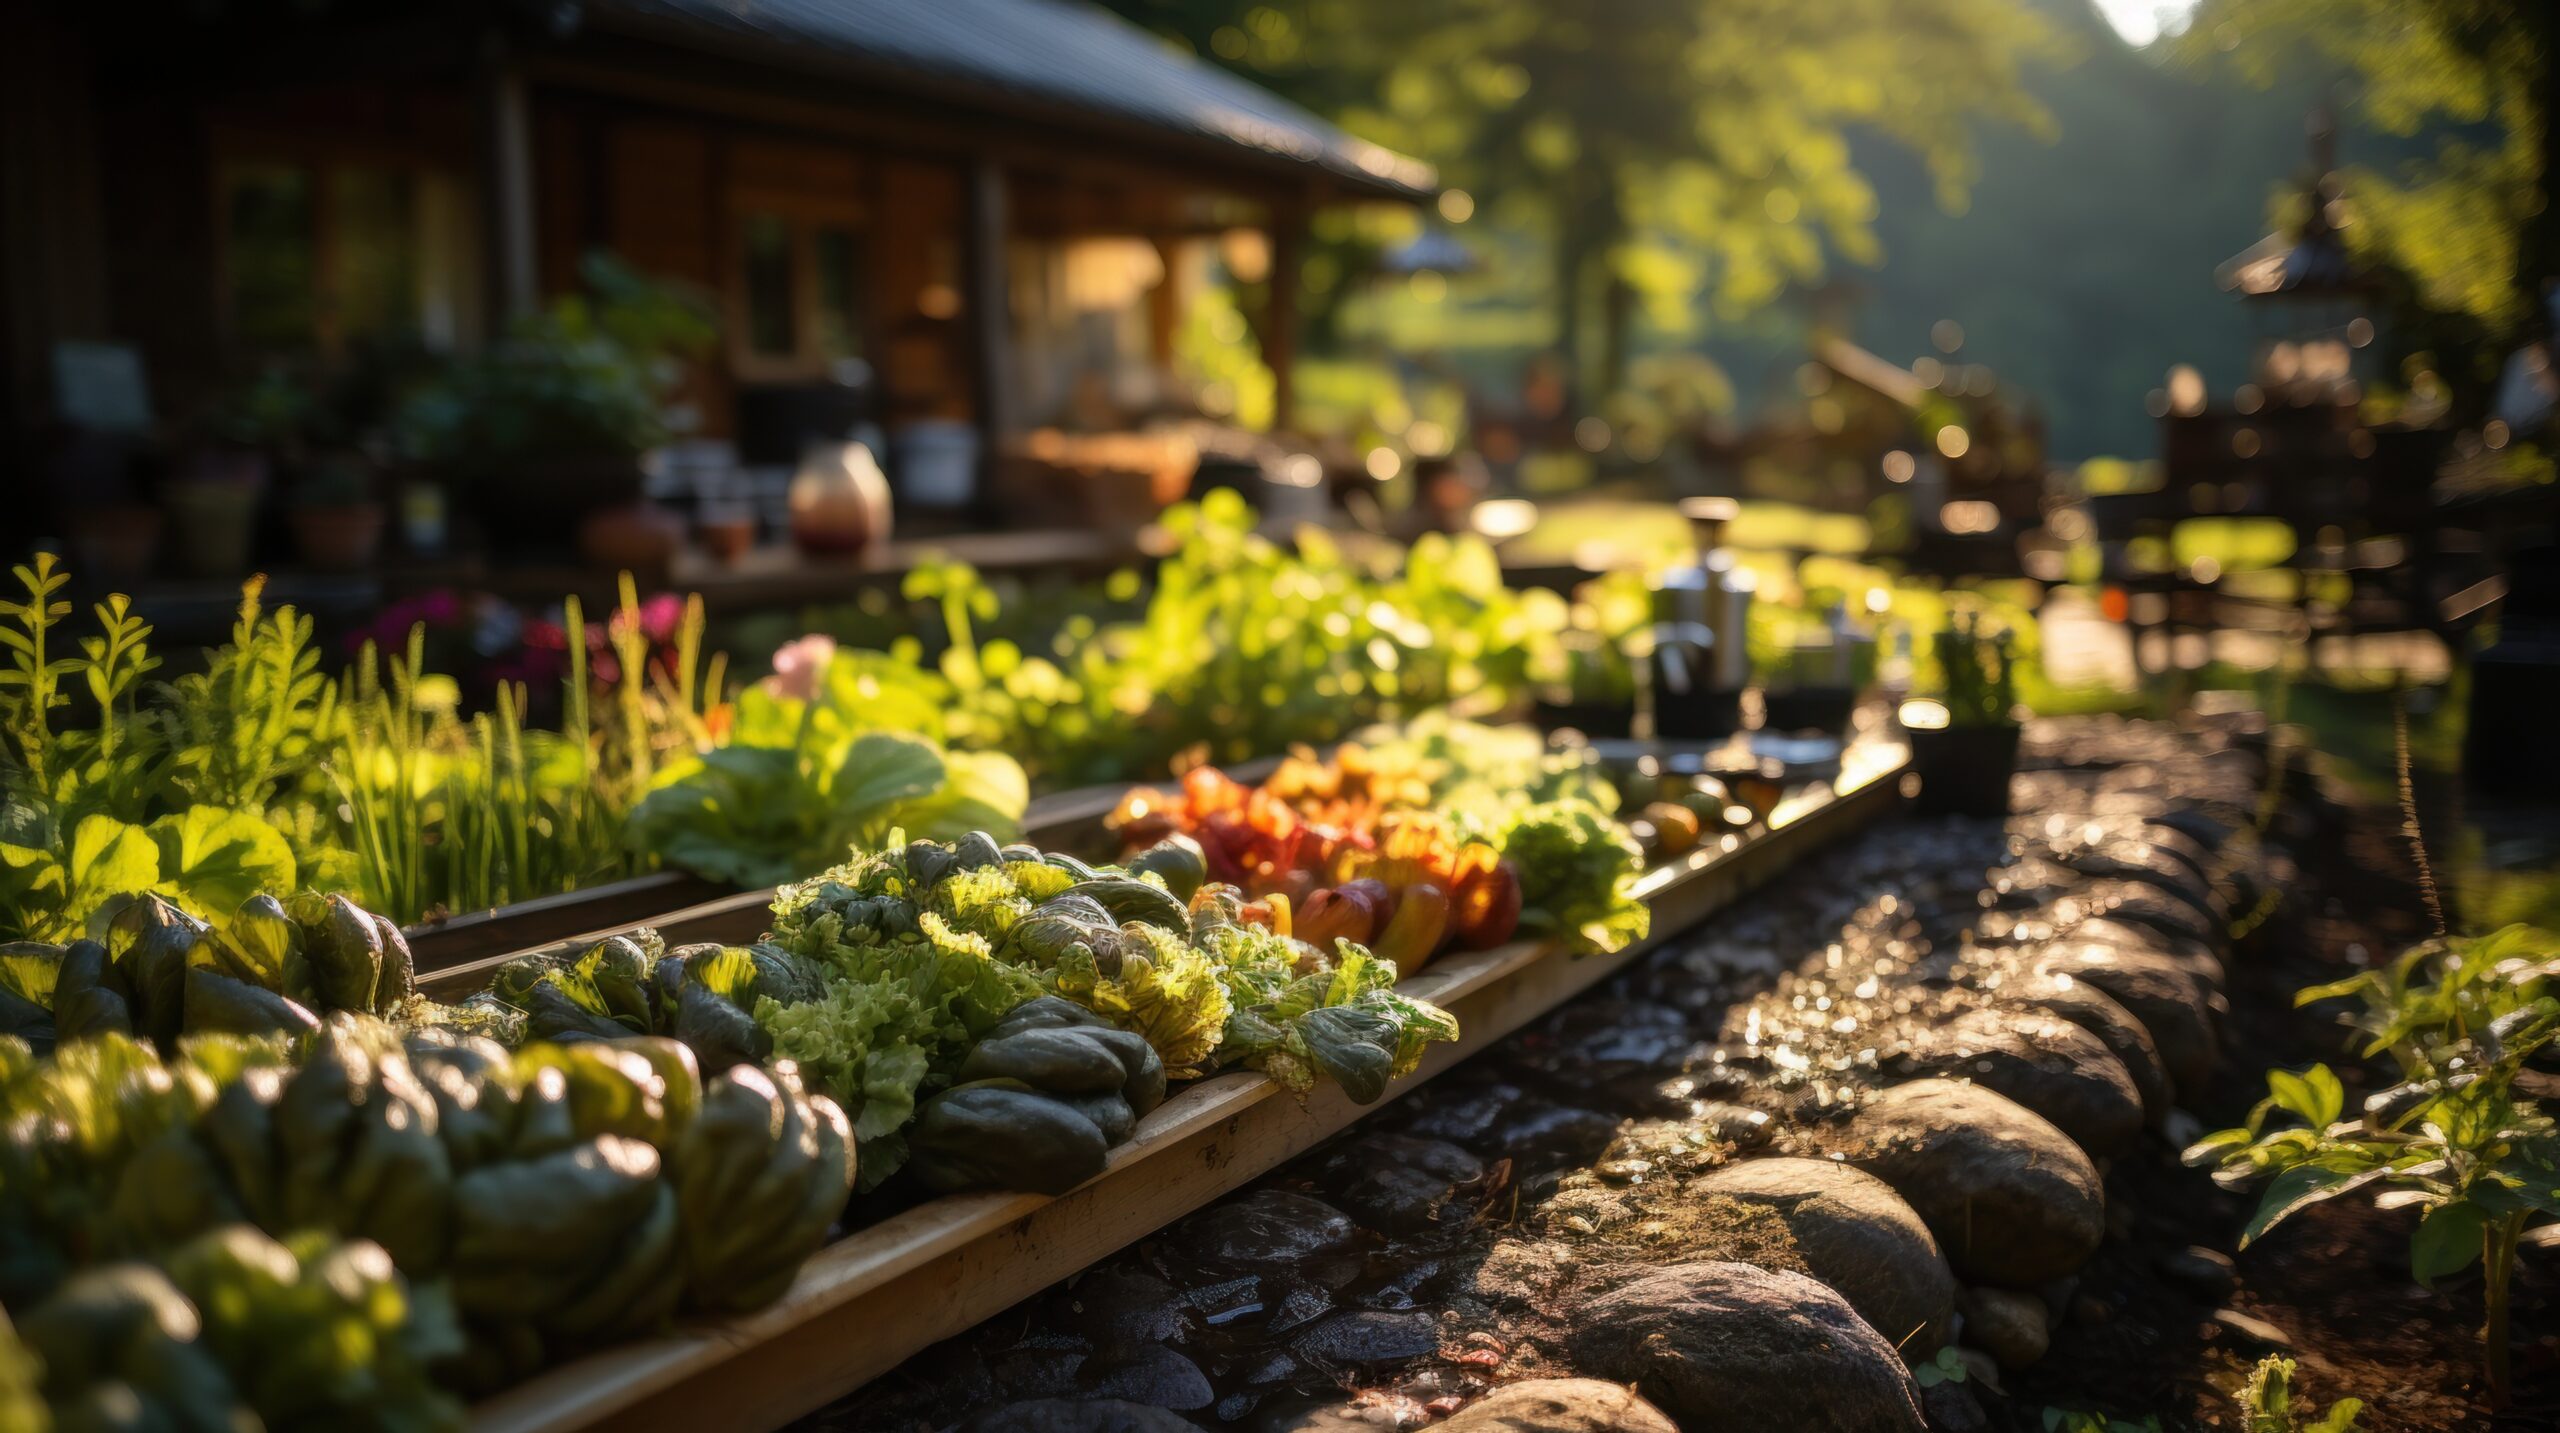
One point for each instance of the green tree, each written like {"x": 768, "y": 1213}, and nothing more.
{"x": 2468, "y": 235}
{"x": 1668, "y": 154}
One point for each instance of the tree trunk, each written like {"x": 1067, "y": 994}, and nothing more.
{"x": 1617, "y": 325}
{"x": 1572, "y": 256}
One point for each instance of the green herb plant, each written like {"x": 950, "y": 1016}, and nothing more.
{"x": 2266, "y": 1400}
{"x": 1979, "y": 672}
{"x": 2452, "y": 1139}
{"x": 89, "y": 813}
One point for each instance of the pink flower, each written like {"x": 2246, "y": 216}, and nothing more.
{"x": 799, "y": 665}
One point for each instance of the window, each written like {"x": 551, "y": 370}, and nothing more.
{"x": 800, "y": 284}
{"x": 839, "y": 313}
{"x": 317, "y": 256}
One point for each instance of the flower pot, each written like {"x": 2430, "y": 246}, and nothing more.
{"x": 338, "y": 537}
{"x": 116, "y": 543}
{"x": 728, "y": 538}
{"x": 1824, "y": 709}
{"x": 215, "y": 522}
{"x": 1964, "y": 770}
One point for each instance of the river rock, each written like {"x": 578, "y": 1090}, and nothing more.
{"x": 1369, "y": 1338}
{"x": 2011, "y": 1326}
{"x": 2194, "y": 957}
{"x": 1157, "y": 1377}
{"x": 2206, "y": 1273}
{"x": 2045, "y": 1063}
{"x": 2142, "y": 904}
{"x": 1952, "y": 1408}
{"x": 1546, "y": 1137}
{"x": 1121, "y": 1310}
{"x": 1267, "y": 1230}
{"x": 1721, "y": 1345}
{"x": 2094, "y": 1010}
{"x": 1077, "y": 1415}
{"x": 2154, "y": 864}
{"x": 2010, "y": 1198}
{"x": 1464, "y": 1116}
{"x": 1399, "y": 1184}
{"x": 2166, "y": 999}
{"x": 1855, "y": 1234}
{"x": 1560, "y": 1405}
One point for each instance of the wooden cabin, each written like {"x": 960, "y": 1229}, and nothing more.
{"x": 998, "y": 207}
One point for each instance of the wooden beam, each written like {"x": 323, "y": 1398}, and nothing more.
{"x": 1164, "y": 303}
{"x": 1280, "y": 312}
{"x": 506, "y": 201}
{"x": 988, "y": 302}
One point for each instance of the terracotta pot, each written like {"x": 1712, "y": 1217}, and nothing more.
{"x": 215, "y": 522}
{"x": 727, "y": 538}
{"x": 338, "y": 537}
{"x": 635, "y": 538}
{"x": 115, "y": 544}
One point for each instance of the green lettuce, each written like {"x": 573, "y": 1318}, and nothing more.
{"x": 1578, "y": 871}
{"x": 1161, "y": 987}
{"x": 1346, "y": 1021}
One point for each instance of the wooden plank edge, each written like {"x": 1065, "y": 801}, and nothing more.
{"x": 520, "y": 925}
{"x": 947, "y": 1265}
{"x": 451, "y": 975}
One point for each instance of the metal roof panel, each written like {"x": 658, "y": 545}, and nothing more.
{"x": 1062, "y": 52}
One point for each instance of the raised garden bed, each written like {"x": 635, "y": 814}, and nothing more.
{"x": 456, "y": 954}
{"x": 870, "y": 1300}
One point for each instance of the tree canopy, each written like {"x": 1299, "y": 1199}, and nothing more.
{"x": 2465, "y": 233}
{"x": 1676, "y": 156}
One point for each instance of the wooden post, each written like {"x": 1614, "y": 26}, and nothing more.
{"x": 989, "y": 303}
{"x": 1280, "y": 316}
{"x": 1164, "y": 304}
{"x": 506, "y": 121}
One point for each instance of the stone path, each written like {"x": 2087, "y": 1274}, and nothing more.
{"x": 1859, "y": 1119}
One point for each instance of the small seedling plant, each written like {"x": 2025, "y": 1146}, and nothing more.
{"x": 2453, "y": 1139}
{"x": 2266, "y": 1400}
{"x": 1981, "y": 673}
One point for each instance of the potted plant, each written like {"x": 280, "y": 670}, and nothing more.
{"x": 337, "y": 519}
{"x": 545, "y": 428}
{"x": 1964, "y": 744}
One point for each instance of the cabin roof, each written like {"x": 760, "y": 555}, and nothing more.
{"x": 1054, "y": 60}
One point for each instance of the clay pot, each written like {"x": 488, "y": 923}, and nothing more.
{"x": 338, "y": 537}
{"x": 728, "y": 539}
